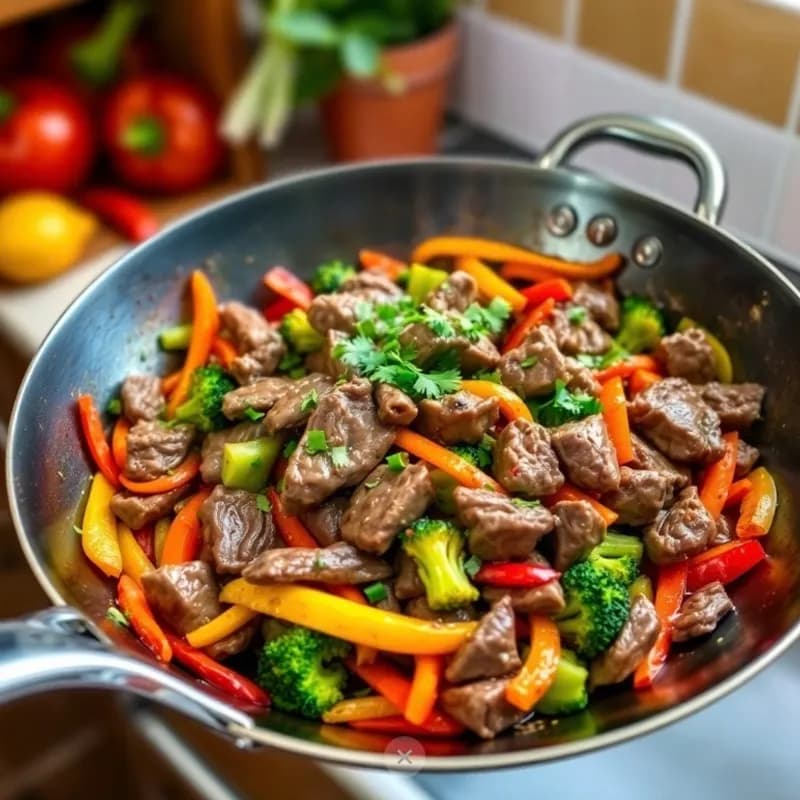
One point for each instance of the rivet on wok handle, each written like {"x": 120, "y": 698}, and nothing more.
{"x": 601, "y": 230}
{"x": 561, "y": 220}
{"x": 647, "y": 252}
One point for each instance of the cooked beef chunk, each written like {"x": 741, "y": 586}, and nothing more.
{"x": 681, "y": 532}
{"x": 247, "y": 327}
{"x": 578, "y": 528}
{"x": 141, "y": 398}
{"x": 235, "y": 530}
{"x": 642, "y": 493}
{"x": 185, "y": 596}
{"x": 648, "y": 458}
{"x": 723, "y": 532}
{"x": 602, "y": 305}
{"x": 455, "y": 294}
{"x": 137, "y": 510}
{"x": 324, "y": 521}
{"x": 395, "y": 407}
{"x": 524, "y": 462}
{"x": 701, "y": 612}
{"x": 673, "y": 416}
{"x": 260, "y": 396}
{"x": 235, "y": 643}
{"x": 545, "y": 599}
{"x": 482, "y": 706}
{"x": 633, "y": 643}
{"x": 349, "y": 419}
{"x": 687, "y": 354}
{"x": 371, "y": 286}
{"x": 738, "y": 405}
{"x": 576, "y": 331}
{"x": 338, "y": 563}
{"x": 579, "y": 378}
{"x": 586, "y": 453}
{"x": 334, "y": 312}
{"x": 324, "y": 361}
{"x": 213, "y": 444}
{"x": 297, "y": 402}
{"x": 490, "y": 651}
{"x": 480, "y": 354}
{"x": 259, "y": 363}
{"x": 390, "y": 602}
{"x": 746, "y": 458}
{"x": 533, "y": 368}
{"x": 384, "y": 504}
{"x": 418, "y": 607}
{"x": 407, "y": 583}
{"x": 154, "y": 449}
{"x": 459, "y": 417}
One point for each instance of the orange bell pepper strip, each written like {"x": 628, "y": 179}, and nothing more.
{"x": 642, "y": 379}
{"x": 737, "y": 492}
{"x": 548, "y": 267}
{"x": 538, "y": 672}
{"x": 205, "y": 326}
{"x": 569, "y": 492}
{"x": 527, "y": 272}
{"x": 100, "y": 537}
{"x": 119, "y": 442}
{"x": 557, "y": 288}
{"x": 615, "y": 414}
{"x": 531, "y": 320}
{"x": 428, "y": 671}
{"x": 184, "y": 473}
{"x": 759, "y": 505}
{"x": 717, "y": 480}
{"x": 380, "y": 262}
{"x": 292, "y": 531}
{"x": 670, "y": 590}
{"x": 447, "y": 461}
{"x": 490, "y": 284}
{"x": 224, "y": 350}
{"x": 440, "y": 725}
{"x": 169, "y": 382}
{"x": 133, "y": 604}
{"x": 626, "y": 368}
{"x": 370, "y": 707}
{"x": 95, "y": 438}
{"x": 183, "y": 538}
{"x": 134, "y": 560}
{"x": 222, "y": 626}
{"x": 511, "y": 405}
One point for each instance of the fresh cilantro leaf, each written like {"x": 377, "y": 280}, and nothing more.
{"x": 309, "y": 401}
{"x": 363, "y": 310}
{"x": 530, "y": 361}
{"x": 117, "y": 617}
{"x": 485, "y": 375}
{"x": 289, "y": 448}
{"x": 339, "y": 456}
{"x": 114, "y": 407}
{"x": 438, "y": 323}
{"x": 472, "y": 565}
{"x": 253, "y": 415}
{"x": 316, "y": 442}
{"x": 478, "y": 320}
{"x": 263, "y": 504}
{"x": 577, "y": 315}
{"x": 564, "y": 406}
{"x": 397, "y": 462}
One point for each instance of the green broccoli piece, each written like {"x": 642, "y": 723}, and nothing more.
{"x": 597, "y": 607}
{"x": 203, "y": 408}
{"x": 641, "y": 326}
{"x": 299, "y": 334}
{"x": 295, "y": 668}
{"x": 330, "y": 275}
{"x": 476, "y": 454}
{"x": 437, "y": 547}
{"x": 619, "y": 555}
{"x": 567, "y": 694}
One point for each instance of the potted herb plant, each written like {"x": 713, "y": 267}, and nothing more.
{"x": 379, "y": 67}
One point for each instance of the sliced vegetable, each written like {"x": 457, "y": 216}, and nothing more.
{"x": 391, "y": 267}
{"x": 184, "y": 538}
{"x": 159, "y": 537}
{"x": 247, "y": 465}
{"x": 564, "y": 406}
{"x": 228, "y": 622}
{"x": 134, "y": 559}
{"x": 428, "y": 671}
{"x": 285, "y": 284}
{"x": 556, "y": 288}
{"x": 122, "y": 211}
{"x": 626, "y": 367}
{"x": 642, "y": 585}
{"x": 440, "y": 725}
{"x": 376, "y": 592}
{"x": 737, "y": 492}
{"x": 224, "y": 350}
{"x": 546, "y": 268}
{"x": 642, "y": 379}
{"x": 512, "y": 406}
{"x": 291, "y": 530}
{"x": 515, "y": 574}
{"x": 615, "y": 414}
{"x": 423, "y": 280}
{"x": 145, "y": 539}
{"x": 356, "y": 708}
{"x": 385, "y": 679}
{"x": 567, "y": 693}
{"x": 275, "y": 310}
{"x": 169, "y": 382}
{"x": 717, "y": 480}
{"x": 133, "y": 603}
{"x": 99, "y": 538}
{"x": 490, "y": 284}
{"x": 724, "y": 563}
{"x": 364, "y": 654}
{"x": 299, "y": 333}
{"x": 538, "y": 672}
{"x": 95, "y": 438}
{"x": 119, "y": 442}
{"x": 568, "y": 492}
{"x": 759, "y": 505}
{"x": 722, "y": 359}
{"x": 531, "y": 320}
{"x": 180, "y": 476}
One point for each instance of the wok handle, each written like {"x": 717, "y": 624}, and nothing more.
{"x": 52, "y": 650}
{"x": 654, "y": 135}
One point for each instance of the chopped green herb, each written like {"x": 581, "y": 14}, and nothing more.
{"x": 591, "y": 361}
{"x": 520, "y": 502}
{"x": 577, "y": 315}
{"x": 77, "y": 530}
{"x": 530, "y": 361}
{"x": 292, "y": 364}
{"x": 339, "y": 456}
{"x": 564, "y": 406}
{"x": 318, "y": 563}
{"x": 316, "y": 442}
{"x": 485, "y": 375}
{"x": 253, "y": 415}
{"x": 397, "y": 462}
{"x": 478, "y": 320}
{"x": 263, "y": 503}
{"x": 376, "y": 592}
{"x": 114, "y": 406}
{"x": 309, "y": 401}
{"x": 117, "y": 617}
{"x": 472, "y": 565}
{"x": 289, "y": 448}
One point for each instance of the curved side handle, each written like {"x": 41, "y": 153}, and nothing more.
{"x": 655, "y": 135}
{"x": 49, "y": 650}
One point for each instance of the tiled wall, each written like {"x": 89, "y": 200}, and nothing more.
{"x": 727, "y": 68}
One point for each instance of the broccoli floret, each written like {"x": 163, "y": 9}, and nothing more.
{"x": 477, "y": 455}
{"x": 297, "y": 331}
{"x": 619, "y": 555}
{"x": 295, "y": 668}
{"x": 567, "y": 694}
{"x": 596, "y": 608}
{"x": 329, "y": 276}
{"x": 641, "y": 326}
{"x": 203, "y": 407}
{"x": 437, "y": 547}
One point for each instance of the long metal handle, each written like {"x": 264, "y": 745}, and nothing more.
{"x": 49, "y": 650}
{"x": 654, "y": 135}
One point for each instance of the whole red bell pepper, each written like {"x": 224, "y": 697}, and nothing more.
{"x": 515, "y": 574}
{"x": 724, "y": 563}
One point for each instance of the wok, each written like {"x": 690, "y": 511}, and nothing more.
{"x": 680, "y": 257}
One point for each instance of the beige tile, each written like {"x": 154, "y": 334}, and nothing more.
{"x": 546, "y": 16}
{"x": 743, "y": 54}
{"x": 633, "y": 32}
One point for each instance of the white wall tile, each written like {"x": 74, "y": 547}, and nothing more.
{"x": 787, "y": 223}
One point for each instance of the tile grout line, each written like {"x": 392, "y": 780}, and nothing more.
{"x": 679, "y": 40}
{"x": 572, "y": 13}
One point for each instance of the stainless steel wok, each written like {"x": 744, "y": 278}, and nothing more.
{"x": 680, "y": 257}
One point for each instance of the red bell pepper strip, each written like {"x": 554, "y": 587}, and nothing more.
{"x": 515, "y": 574}
{"x": 285, "y": 284}
{"x": 626, "y": 368}
{"x": 183, "y": 538}
{"x": 292, "y": 531}
{"x": 718, "y": 477}
{"x": 557, "y": 288}
{"x": 737, "y": 492}
{"x": 533, "y": 318}
{"x": 759, "y": 505}
{"x": 145, "y": 538}
{"x": 724, "y": 563}
{"x": 642, "y": 379}
{"x": 568, "y": 492}
{"x": 400, "y": 726}
{"x": 133, "y": 603}
{"x": 95, "y": 438}
{"x": 122, "y": 211}
{"x": 391, "y": 267}
{"x": 275, "y": 310}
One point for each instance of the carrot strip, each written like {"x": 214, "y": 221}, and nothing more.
{"x": 119, "y": 442}
{"x": 490, "y": 284}
{"x": 224, "y": 350}
{"x": 134, "y": 560}
{"x": 183, "y": 537}
{"x": 615, "y": 414}
{"x": 642, "y": 379}
{"x": 512, "y": 406}
{"x": 95, "y": 438}
{"x": 737, "y": 492}
{"x": 719, "y": 476}
{"x": 133, "y": 603}
{"x": 568, "y": 492}
{"x": 759, "y": 505}
{"x": 428, "y": 671}
{"x": 380, "y": 262}
{"x": 292, "y": 531}
{"x": 531, "y": 683}
{"x": 169, "y": 382}
{"x": 626, "y": 368}
{"x": 531, "y": 320}
{"x": 179, "y": 477}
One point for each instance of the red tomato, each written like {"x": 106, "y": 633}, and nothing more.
{"x": 46, "y": 138}
{"x": 161, "y": 134}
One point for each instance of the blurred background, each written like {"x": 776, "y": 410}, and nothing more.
{"x": 117, "y": 117}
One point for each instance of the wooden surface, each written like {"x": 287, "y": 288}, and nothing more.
{"x": 15, "y": 10}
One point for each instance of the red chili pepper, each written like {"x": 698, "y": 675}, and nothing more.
{"x": 436, "y": 725}
{"x": 95, "y": 438}
{"x": 275, "y": 310}
{"x": 724, "y": 563}
{"x": 557, "y": 288}
{"x": 515, "y": 574}
{"x": 122, "y": 211}
{"x": 285, "y": 284}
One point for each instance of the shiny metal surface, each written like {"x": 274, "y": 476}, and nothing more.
{"x": 561, "y": 220}
{"x": 601, "y": 230}
{"x": 647, "y": 252}
{"x": 703, "y": 273}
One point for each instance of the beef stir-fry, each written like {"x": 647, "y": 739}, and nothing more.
{"x": 430, "y": 500}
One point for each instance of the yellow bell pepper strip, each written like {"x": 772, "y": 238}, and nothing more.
{"x": 226, "y": 623}
{"x": 490, "y": 284}
{"x": 758, "y": 506}
{"x": 512, "y": 406}
{"x": 360, "y": 624}
{"x": 159, "y": 537}
{"x": 95, "y": 438}
{"x": 100, "y": 539}
{"x": 531, "y": 683}
{"x": 134, "y": 560}
{"x": 717, "y": 480}
{"x": 371, "y": 707}
{"x": 132, "y": 601}
{"x": 722, "y": 359}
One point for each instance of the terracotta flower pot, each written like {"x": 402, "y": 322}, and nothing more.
{"x": 365, "y": 120}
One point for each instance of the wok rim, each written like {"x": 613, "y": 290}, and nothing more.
{"x": 371, "y": 759}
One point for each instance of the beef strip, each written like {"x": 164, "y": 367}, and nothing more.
{"x": 184, "y": 596}
{"x": 482, "y": 354}
{"x": 723, "y": 533}
{"x": 324, "y": 361}
{"x": 141, "y": 398}
{"x": 482, "y": 706}
{"x": 648, "y": 458}
{"x": 738, "y": 405}
{"x": 259, "y": 363}
{"x": 407, "y": 583}
{"x": 418, "y": 607}
{"x": 260, "y": 396}
{"x": 498, "y": 528}
{"x": 338, "y": 563}
{"x": 371, "y": 286}
{"x": 633, "y": 643}
{"x": 155, "y": 449}
{"x": 247, "y": 326}
{"x": 324, "y": 521}
{"x": 297, "y": 402}
{"x": 233, "y": 644}
{"x": 576, "y": 331}
{"x": 579, "y": 378}
{"x": 427, "y": 346}
{"x": 672, "y": 415}
{"x": 524, "y": 461}
{"x": 602, "y": 305}
{"x": 701, "y": 612}
{"x": 339, "y": 311}
{"x": 395, "y": 407}
{"x": 490, "y": 651}
{"x": 213, "y": 444}
{"x": 235, "y": 530}
{"x": 681, "y": 532}
{"x": 533, "y": 368}
{"x": 459, "y": 417}
{"x": 348, "y": 417}
{"x": 578, "y": 528}
{"x": 390, "y": 602}
{"x": 455, "y": 294}
{"x": 384, "y": 504}
{"x": 545, "y": 599}
{"x": 642, "y": 493}
{"x": 586, "y": 453}
{"x": 687, "y": 354}
{"x": 137, "y": 510}
{"x": 746, "y": 458}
